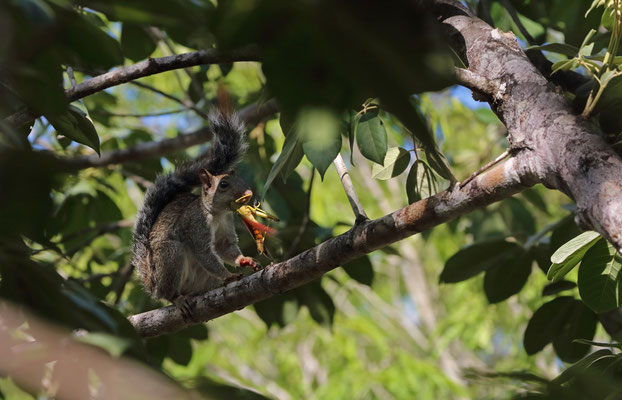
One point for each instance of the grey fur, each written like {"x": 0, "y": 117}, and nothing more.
{"x": 180, "y": 238}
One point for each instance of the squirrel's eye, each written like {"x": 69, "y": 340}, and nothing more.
{"x": 223, "y": 184}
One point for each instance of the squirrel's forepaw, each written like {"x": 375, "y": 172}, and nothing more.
{"x": 249, "y": 262}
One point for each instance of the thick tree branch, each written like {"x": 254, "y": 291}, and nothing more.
{"x": 499, "y": 183}
{"x": 564, "y": 151}
{"x": 148, "y": 67}
{"x": 250, "y": 115}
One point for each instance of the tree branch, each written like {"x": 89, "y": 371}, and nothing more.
{"x": 346, "y": 181}
{"x": 148, "y": 67}
{"x": 561, "y": 149}
{"x": 497, "y": 184}
{"x": 250, "y": 115}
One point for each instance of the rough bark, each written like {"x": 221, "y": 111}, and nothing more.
{"x": 563, "y": 150}
{"x": 499, "y": 183}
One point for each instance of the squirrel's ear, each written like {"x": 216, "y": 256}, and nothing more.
{"x": 206, "y": 178}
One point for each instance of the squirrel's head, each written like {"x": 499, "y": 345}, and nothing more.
{"x": 219, "y": 191}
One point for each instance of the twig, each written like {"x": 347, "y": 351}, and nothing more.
{"x": 184, "y": 103}
{"x": 357, "y": 208}
{"x": 485, "y": 168}
{"x": 151, "y": 66}
{"x": 305, "y": 220}
{"x": 138, "y": 115}
{"x": 512, "y": 11}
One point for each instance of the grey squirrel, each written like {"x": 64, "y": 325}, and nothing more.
{"x": 181, "y": 239}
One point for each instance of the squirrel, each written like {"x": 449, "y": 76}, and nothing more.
{"x": 181, "y": 239}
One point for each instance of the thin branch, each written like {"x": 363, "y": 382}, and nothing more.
{"x": 184, "y": 103}
{"x": 357, "y": 208}
{"x": 497, "y": 184}
{"x": 512, "y": 11}
{"x": 250, "y": 115}
{"x": 137, "y": 115}
{"x": 151, "y": 66}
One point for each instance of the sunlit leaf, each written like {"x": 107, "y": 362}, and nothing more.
{"x": 599, "y": 280}
{"x": 321, "y": 137}
{"x": 395, "y": 162}
{"x": 568, "y": 256}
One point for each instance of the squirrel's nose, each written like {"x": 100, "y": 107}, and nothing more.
{"x": 248, "y": 193}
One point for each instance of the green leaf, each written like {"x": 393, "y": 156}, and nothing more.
{"x": 270, "y": 310}
{"x": 582, "y": 366}
{"x": 297, "y": 153}
{"x": 287, "y": 161}
{"x": 565, "y": 230}
{"x": 557, "y": 287}
{"x": 579, "y": 324}
{"x": 507, "y": 279}
{"x": 568, "y": 256}
{"x": 198, "y": 332}
{"x": 560, "y": 48}
{"x": 478, "y": 257}
{"x": 396, "y": 161}
{"x": 420, "y": 182}
{"x": 517, "y": 217}
{"x": 136, "y": 43}
{"x": 412, "y": 186}
{"x": 114, "y": 345}
{"x": 321, "y": 137}
{"x": 86, "y": 45}
{"x": 564, "y": 65}
{"x": 319, "y": 303}
{"x": 75, "y": 125}
{"x": 361, "y": 270}
{"x": 546, "y": 323}
{"x": 599, "y": 281}
{"x": 534, "y": 197}
{"x": 180, "y": 350}
{"x": 439, "y": 164}
{"x": 371, "y": 136}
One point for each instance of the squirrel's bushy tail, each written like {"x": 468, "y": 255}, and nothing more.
{"x": 228, "y": 147}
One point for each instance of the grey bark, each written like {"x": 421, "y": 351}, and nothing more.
{"x": 562, "y": 150}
